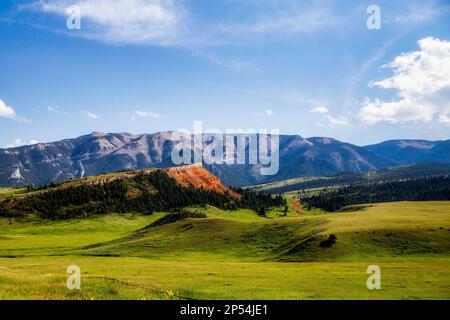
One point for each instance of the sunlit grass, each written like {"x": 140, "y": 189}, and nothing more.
{"x": 233, "y": 255}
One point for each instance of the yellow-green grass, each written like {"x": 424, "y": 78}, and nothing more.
{"x": 11, "y": 192}
{"x": 139, "y": 278}
{"x": 233, "y": 255}
{"x": 44, "y": 237}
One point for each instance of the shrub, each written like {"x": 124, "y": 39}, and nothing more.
{"x": 328, "y": 243}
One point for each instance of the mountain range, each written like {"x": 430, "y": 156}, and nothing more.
{"x": 98, "y": 153}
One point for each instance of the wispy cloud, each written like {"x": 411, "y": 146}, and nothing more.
{"x": 338, "y": 121}
{"x": 177, "y": 23}
{"x": 332, "y": 121}
{"x": 147, "y": 114}
{"x": 229, "y": 63}
{"x": 174, "y": 22}
{"x": 19, "y": 142}
{"x": 291, "y": 19}
{"x": 52, "y": 109}
{"x": 319, "y": 109}
{"x": 419, "y": 12}
{"x": 265, "y": 113}
{"x": 90, "y": 115}
{"x": 158, "y": 22}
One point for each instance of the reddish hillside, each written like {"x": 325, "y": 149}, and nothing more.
{"x": 198, "y": 177}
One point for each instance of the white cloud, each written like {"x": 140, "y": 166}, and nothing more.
{"x": 338, "y": 121}
{"x": 265, "y": 113}
{"x": 333, "y": 121}
{"x": 286, "y": 18}
{"x": 19, "y": 142}
{"x": 147, "y": 114}
{"x": 89, "y": 115}
{"x": 174, "y": 22}
{"x": 420, "y": 12}
{"x": 8, "y": 112}
{"x": 123, "y": 21}
{"x": 234, "y": 63}
{"x": 320, "y": 109}
{"x": 422, "y": 83}
{"x": 52, "y": 109}
{"x": 444, "y": 118}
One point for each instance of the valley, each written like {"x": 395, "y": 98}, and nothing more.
{"x": 232, "y": 255}
{"x": 179, "y": 233}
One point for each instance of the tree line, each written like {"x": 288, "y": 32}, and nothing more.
{"x": 143, "y": 193}
{"x": 421, "y": 189}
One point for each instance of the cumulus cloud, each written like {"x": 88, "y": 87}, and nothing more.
{"x": 8, "y": 112}
{"x": 52, "y": 109}
{"x": 147, "y": 114}
{"x": 421, "y": 81}
{"x": 123, "y": 21}
{"x": 19, "y": 142}
{"x": 320, "y": 109}
{"x": 90, "y": 115}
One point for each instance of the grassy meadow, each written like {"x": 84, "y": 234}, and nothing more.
{"x": 233, "y": 255}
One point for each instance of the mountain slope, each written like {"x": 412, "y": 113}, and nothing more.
{"x": 346, "y": 178}
{"x": 99, "y": 153}
{"x": 413, "y": 151}
{"x": 325, "y": 156}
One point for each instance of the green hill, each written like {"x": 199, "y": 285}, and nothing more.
{"x": 385, "y": 230}
{"x": 233, "y": 255}
{"x": 198, "y": 243}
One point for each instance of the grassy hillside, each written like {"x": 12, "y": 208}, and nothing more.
{"x": 233, "y": 255}
{"x": 417, "y": 189}
{"x": 346, "y": 178}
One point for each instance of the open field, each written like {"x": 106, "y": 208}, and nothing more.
{"x": 233, "y": 255}
{"x": 140, "y": 278}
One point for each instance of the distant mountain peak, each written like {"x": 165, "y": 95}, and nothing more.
{"x": 100, "y": 152}
{"x": 98, "y": 134}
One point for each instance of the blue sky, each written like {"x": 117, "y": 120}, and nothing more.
{"x": 305, "y": 67}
